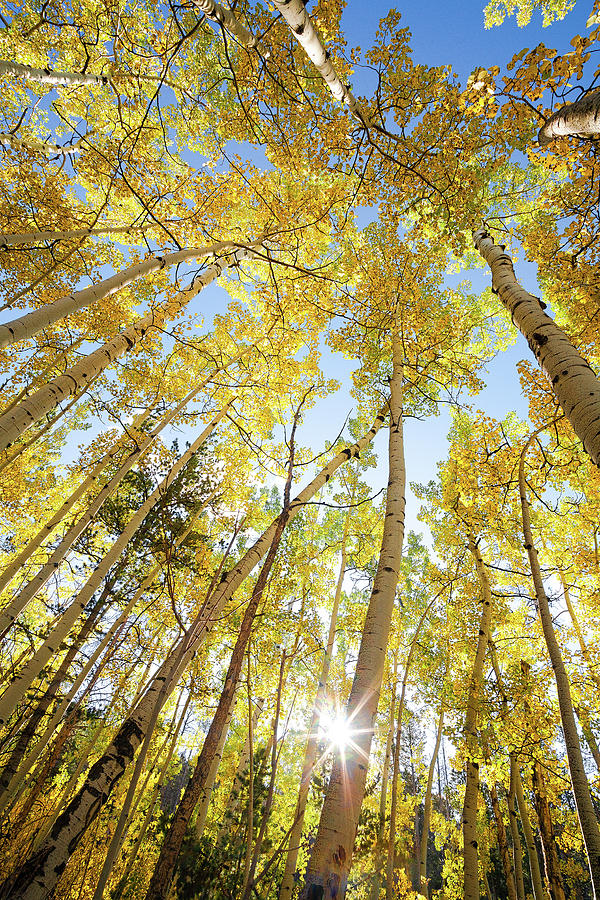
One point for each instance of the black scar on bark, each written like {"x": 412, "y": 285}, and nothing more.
{"x": 540, "y": 339}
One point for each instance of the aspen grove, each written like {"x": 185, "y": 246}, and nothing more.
{"x": 255, "y": 280}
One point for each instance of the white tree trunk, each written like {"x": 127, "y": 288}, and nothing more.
{"x": 294, "y": 12}
{"x": 19, "y": 419}
{"x": 10, "y": 69}
{"x": 224, "y": 17}
{"x": 29, "y": 237}
{"x": 532, "y": 855}
{"x": 424, "y": 886}
{"x": 581, "y": 117}
{"x": 575, "y": 385}
{"x": 108, "y": 638}
{"x": 581, "y": 788}
{"x": 331, "y": 858}
{"x": 469, "y": 815}
{"x": 26, "y": 593}
{"x": 46, "y": 148}
{"x": 206, "y": 793}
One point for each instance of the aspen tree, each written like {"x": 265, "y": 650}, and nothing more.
{"x": 132, "y": 856}
{"x": 469, "y": 815}
{"x": 47, "y": 148}
{"x": 532, "y": 855}
{"x": 295, "y": 14}
{"x": 207, "y": 790}
{"x": 514, "y": 831}
{"x": 107, "y": 641}
{"x": 551, "y": 860}
{"x": 48, "y": 527}
{"x": 118, "y": 834}
{"x": 581, "y": 118}
{"x": 249, "y": 879}
{"x": 385, "y": 777}
{"x": 39, "y": 876}
{"x": 581, "y": 789}
{"x": 11, "y": 69}
{"x": 224, "y": 17}
{"x": 575, "y": 385}
{"x": 50, "y": 692}
{"x": 427, "y": 803}
{"x": 30, "y": 237}
{"x": 327, "y": 871}
{"x": 509, "y": 876}
{"x": 311, "y": 751}
{"x": 18, "y": 449}
{"x": 233, "y": 800}
{"x": 391, "y": 848}
{"x": 90, "y": 745}
{"x": 165, "y": 865}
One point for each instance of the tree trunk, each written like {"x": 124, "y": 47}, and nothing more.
{"x": 507, "y": 866}
{"x": 312, "y": 745}
{"x": 48, "y": 696}
{"x": 223, "y": 16}
{"x": 88, "y": 749}
{"x": 19, "y": 448}
{"x": 295, "y": 14}
{"x": 551, "y": 860}
{"x": 579, "y": 782}
{"x": 46, "y": 148}
{"x": 109, "y": 638}
{"x": 233, "y": 801}
{"x": 469, "y": 816}
{"x": 581, "y": 117}
{"x": 331, "y": 858}
{"x": 207, "y": 789}
{"x": 35, "y": 584}
{"x": 117, "y": 837}
{"x": 36, "y": 542}
{"x": 40, "y": 874}
{"x": 424, "y": 887}
{"x": 391, "y": 849}
{"x": 249, "y": 882}
{"x": 132, "y": 856}
{"x": 380, "y": 855}
{"x": 532, "y": 854}
{"x": 514, "y": 831}
{"x": 29, "y": 237}
{"x": 575, "y": 385}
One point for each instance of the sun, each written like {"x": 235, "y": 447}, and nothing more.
{"x": 336, "y": 730}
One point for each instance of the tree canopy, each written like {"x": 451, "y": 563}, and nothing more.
{"x": 240, "y": 255}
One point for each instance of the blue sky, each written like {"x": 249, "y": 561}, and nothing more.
{"x": 453, "y": 32}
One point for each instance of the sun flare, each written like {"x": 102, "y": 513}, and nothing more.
{"x": 336, "y": 730}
